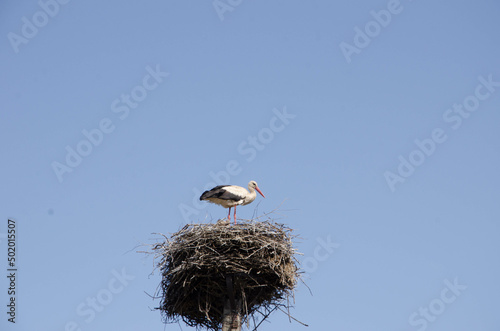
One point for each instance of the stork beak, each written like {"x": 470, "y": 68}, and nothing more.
{"x": 258, "y": 190}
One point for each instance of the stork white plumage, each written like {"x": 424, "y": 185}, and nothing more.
{"x": 229, "y": 196}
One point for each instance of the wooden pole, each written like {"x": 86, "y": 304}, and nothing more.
{"x": 231, "y": 319}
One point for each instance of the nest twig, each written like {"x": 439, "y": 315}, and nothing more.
{"x": 196, "y": 262}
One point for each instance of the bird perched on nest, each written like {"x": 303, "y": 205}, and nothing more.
{"x": 229, "y": 196}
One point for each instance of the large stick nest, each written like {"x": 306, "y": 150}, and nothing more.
{"x": 196, "y": 261}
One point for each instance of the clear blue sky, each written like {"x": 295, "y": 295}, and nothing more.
{"x": 377, "y": 122}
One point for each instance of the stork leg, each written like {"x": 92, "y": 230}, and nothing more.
{"x": 234, "y": 214}
{"x": 229, "y": 214}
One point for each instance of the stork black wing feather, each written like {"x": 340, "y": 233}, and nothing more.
{"x": 220, "y": 193}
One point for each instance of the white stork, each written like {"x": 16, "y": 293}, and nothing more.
{"x": 229, "y": 196}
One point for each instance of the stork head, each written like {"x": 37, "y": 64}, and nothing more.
{"x": 253, "y": 186}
